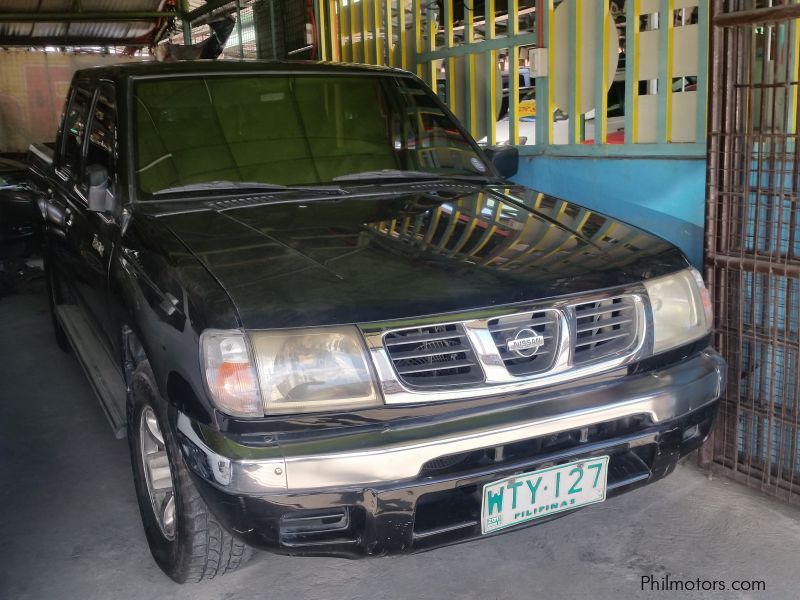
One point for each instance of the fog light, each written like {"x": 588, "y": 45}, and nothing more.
{"x": 315, "y": 521}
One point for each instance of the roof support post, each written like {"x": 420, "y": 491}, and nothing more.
{"x": 187, "y": 24}
{"x": 239, "y": 27}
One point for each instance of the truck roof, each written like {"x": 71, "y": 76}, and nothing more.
{"x": 156, "y": 69}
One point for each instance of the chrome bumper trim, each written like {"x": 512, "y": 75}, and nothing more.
{"x": 661, "y": 395}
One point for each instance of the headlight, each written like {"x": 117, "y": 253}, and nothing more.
{"x": 290, "y": 371}
{"x": 305, "y": 370}
{"x": 681, "y": 309}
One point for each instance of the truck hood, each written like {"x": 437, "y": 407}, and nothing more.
{"x": 394, "y": 252}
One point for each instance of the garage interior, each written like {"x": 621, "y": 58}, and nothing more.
{"x": 686, "y": 128}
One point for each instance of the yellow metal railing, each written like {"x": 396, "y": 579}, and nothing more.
{"x": 662, "y": 46}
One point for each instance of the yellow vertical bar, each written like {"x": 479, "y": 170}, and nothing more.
{"x": 551, "y": 68}
{"x": 575, "y": 109}
{"x": 513, "y": 94}
{"x": 323, "y": 32}
{"x": 513, "y": 17}
{"x": 335, "y": 31}
{"x": 342, "y": 29}
{"x": 635, "y": 58}
{"x": 513, "y": 74}
{"x": 351, "y": 17}
{"x": 451, "y": 78}
{"x": 601, "y": 97}
{"x": 401, "y": 15}
{"x": 365, "y": 53}
{"x": 469, "y": 68}
{"x": 376, "y": 23}
{"x": 451, "y": 62}
{"x": 491, "y": 102}
{"x": 389, "y": 34}
{"x": 448, "y": 23}
{"x": 670, "y": 23}
{"x": 469, "y": 23}
{"x": 490, "y": 60}
{"x": 796, "y": 70}
{"x": 431, "y": 31}
{"x": 472, "y": 113}
{"x": 418, "y": 35}
{"x": 631, "y": 81}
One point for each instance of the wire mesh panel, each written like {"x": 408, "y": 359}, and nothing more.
{"x": 753, "y": 240}
{"x": 242, "y": 42}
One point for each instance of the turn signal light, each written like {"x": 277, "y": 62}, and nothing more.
{"x": 230, "y": 374}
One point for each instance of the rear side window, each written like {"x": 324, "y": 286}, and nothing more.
{"x": 101, "y": 148}
{"x": 74, "y": 130}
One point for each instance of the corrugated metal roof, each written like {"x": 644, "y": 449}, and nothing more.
{"x": 76, "y": 33}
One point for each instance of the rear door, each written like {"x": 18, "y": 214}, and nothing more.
{"x": 67, "y": 160}
{"x": 89, "y": 138}
{"x": 97, "y": 238}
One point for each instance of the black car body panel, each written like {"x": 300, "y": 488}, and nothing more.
{"x": 331, "y": 261}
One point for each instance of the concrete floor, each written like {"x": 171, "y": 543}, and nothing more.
{"x": 69, "y": 524}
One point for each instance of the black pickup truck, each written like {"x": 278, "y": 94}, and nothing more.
{"x": 329, "y": 325}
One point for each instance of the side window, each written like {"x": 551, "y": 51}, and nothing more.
{"x": 101, "y": 155}
{"x": 74, "y": 130}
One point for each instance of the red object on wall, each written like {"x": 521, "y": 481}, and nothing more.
{"x": 617, "y": 137}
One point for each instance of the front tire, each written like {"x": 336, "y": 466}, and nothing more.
{"x": 185, "y": 539}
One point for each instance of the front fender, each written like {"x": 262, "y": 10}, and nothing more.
{"x": 163, "y": 298}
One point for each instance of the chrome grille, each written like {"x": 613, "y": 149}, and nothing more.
{"x": 530, "y": 361}
{"x": 553, "y": 343}
{"x": 433, "y": 356}
{"x": 604, "y": 328}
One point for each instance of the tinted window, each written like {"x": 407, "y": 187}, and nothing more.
{"x": 74, "y": 130}
{"x": 101, "y": 149}
{"x": 303, "y": 129}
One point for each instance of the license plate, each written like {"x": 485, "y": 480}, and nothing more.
{"x": 529, "y": 496}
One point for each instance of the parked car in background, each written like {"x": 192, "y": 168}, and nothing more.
{"x": 615, "y": 119}
{"x": 19, "y": 226}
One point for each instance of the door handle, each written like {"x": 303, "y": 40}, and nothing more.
{"x": 68, "y": 217}
{"x": 54, "y": 214}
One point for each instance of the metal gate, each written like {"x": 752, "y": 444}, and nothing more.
{"x": 753, "y": 240}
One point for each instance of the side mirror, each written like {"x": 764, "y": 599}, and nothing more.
{"x": 504, "y": 158}
{"x": 101, "y": 198}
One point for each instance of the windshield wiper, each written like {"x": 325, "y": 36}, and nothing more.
{"x": 400, "y": 174}
{"x": 247, "y": 185}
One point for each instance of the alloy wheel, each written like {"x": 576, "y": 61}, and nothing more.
{"x": 158, "y": 475}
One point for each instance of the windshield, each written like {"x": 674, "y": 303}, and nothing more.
{"x": 291, "y": 130}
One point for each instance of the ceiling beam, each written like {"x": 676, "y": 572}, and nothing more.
{"x": 95, "y": 17}
{"x": 60, "y": 41}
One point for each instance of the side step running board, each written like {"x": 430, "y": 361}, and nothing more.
{"x": 108, "y": 384}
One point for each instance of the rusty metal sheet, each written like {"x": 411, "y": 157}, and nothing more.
{"x": 72, "y": 33}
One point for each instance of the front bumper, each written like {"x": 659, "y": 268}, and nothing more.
{"x": 407, "y": 489}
